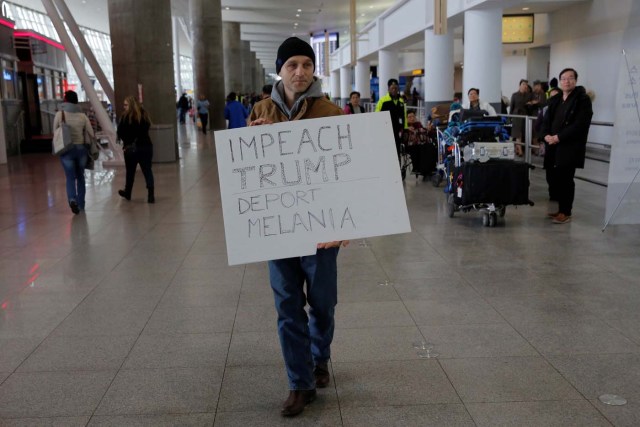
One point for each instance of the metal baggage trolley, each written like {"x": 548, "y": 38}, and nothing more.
{"x": 484, "y": 177}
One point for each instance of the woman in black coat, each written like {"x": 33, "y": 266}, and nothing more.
{"x": 133, "y": 130}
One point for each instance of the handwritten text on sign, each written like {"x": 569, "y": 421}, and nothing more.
{"x": 288, "y": 186}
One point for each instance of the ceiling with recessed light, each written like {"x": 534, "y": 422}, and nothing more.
{"x": 265, "y": 23}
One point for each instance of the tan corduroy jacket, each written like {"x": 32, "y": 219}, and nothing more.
{"x": 312, "y": 108}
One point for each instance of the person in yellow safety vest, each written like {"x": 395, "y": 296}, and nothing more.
{"x": 393, "y": 103}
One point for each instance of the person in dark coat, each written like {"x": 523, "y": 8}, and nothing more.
{"x": 133, "y": 130}
{"x": 518, "y": 106}
{"x": 183, "y": 108}
{"x": 565, "y": 130}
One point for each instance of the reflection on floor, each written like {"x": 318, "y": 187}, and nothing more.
{"x": 127, "y": 314}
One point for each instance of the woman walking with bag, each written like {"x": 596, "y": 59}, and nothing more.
{"x": 74, "y": 159}
{"x": 133, "y": 130}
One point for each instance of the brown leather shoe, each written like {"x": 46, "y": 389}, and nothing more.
{"x": 553, "y": 214}
{"x": 296, "y": 402}
{"x": 321, "y": 373}
{"x": 561, "y": 219}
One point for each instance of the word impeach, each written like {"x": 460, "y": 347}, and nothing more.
{"x": 284, "y": 145}
{"x": 286, "y": 142}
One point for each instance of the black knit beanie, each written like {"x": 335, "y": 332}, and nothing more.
{"x": 293, "y": 46}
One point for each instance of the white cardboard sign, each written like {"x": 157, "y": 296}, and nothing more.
{"x": 288, "y": 186}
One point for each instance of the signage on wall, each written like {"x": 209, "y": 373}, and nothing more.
{"x": 517, "y": 28}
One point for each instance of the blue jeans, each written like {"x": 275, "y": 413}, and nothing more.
{"x": 74, "y": 162}
{"x": 305, "y": 340}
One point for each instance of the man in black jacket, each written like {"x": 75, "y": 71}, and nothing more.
{"x": 565, "y": 131}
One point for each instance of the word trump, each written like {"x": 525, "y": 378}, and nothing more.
{"x": 267, "y": 173}
{"x": 318, "y": 157}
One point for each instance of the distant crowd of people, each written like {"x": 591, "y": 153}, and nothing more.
{"x": 236, "y": 111}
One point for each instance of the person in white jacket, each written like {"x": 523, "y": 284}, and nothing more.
{"x": 475, "y": 104}
{"x": 74, "y": 160}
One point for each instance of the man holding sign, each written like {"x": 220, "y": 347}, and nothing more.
{"x": 305, "y": 341}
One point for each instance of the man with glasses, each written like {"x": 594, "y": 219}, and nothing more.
{"x": 565, "y": 129}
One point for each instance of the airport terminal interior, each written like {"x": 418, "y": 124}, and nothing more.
{"x": 128, "y": 314}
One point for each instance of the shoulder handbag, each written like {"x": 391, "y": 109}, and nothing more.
{"x": 92, "y": 146}
{"x": 91, "y": 164}
{"x": 62, "y": 142}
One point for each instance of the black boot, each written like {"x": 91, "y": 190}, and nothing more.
{"x": 151, "y": 198}
{"x": 125, "y": 194}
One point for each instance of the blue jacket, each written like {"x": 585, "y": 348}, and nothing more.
{"x": 237, "y": 115}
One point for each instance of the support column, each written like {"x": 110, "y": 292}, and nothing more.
{"x": 208, "y": 59}
{"x": 259, "y": 76}
{"x": 387, "y": 68}
{"x": 483, "y": 47}
{"x": 176, "y": 57}
{"x": 438, "y": 75}
{"x": 254, "y": 72}
{"x": 247, "y": 67}
{"x": 335, "y": 85}
{"x": 363, "y": 80}
{"x": 232, "y": 47}
{"x": 345, "y": 84}
{"x": 142, "y": 52}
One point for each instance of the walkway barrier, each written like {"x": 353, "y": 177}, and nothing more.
{"x": 531, "y": 151}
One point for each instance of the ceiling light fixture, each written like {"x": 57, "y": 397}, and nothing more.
{"x": 227, "y": 8}
{"x": 362, "y": 14}
{"x": 299, "y": 10}
{"x": 525, "y": 8}
{"x": 297, "y": 15}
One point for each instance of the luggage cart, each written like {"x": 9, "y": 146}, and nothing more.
{"x": 486, "y": 184}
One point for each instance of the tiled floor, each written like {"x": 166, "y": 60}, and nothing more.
{"x": 128, "y": 315}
